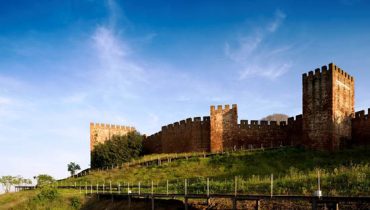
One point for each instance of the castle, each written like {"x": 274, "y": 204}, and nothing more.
{"x": 328, "y": 122}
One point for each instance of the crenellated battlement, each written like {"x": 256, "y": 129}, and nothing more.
{"x": 110, "y": 126}
{"x": 262, "y": 124}
{"x": 101, "y": 132}
{"x": 361, "y": 115}
{"x": 186, "y": 123}
{"x": 297, "y": 119}
{"x": 245, "y": 124}
{"x": 220, "y": 108}
{"x": 326, "y": 71}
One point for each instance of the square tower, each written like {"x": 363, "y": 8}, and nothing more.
{"x": 328, "y": 107}
{"x": 223, "y": 126}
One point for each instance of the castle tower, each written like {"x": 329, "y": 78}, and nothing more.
{"x": 328, "y": 106}
{"x": 223, "y": 124}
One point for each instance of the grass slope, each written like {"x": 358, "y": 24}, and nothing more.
{"x": 42, "y": 199}
{"x": 295, "y": 172}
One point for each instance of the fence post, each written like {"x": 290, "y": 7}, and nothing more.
{"x": 318, "y": 180}
{"x": 167, "y": 186}
{"x": 139, "y": 188}
{"x": 86, "y": 188}
{"x": 152, "y": 188}
{"x": 207, "y": 187}
{"x": 119, "y": 188}
{"x": 186, "y": 187}
{"x": 128, "y": 188}
{"x": 236, "y": 185}
{"x": 272, "y": 184}
{"x": 91, "y": 188}
{"x": 104, "y": 188}
{"x": 110, "y": 186}
{"x": 97, "y": 188}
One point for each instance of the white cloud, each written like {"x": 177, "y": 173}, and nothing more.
{"x": 256, "y": 58}
{"x": 5, "y": 101}
{"x": 275, "y": 24}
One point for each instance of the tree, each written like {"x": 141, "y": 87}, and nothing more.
{"x": 73, "y": 167}
{"x": 44, "y": 179}
{"x": 276, "y": 117}
{"x": 117, "y": 150}
{"x": 8, "y": 181}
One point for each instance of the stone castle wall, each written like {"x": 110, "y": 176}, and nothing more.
{"x": 190, "y": 135}
{"x": 361, "y": 128}
{"x": 328, "y": 106}
{"x": 224, "y": 124}
{"x": 221, "y": 132}
{"x": 100, "y": 132}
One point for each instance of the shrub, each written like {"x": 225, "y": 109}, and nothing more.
{"x": 75, "y": 202}
{"x": 48, "y": 194}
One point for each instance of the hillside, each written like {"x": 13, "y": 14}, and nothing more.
{"x": 295, "y": 172}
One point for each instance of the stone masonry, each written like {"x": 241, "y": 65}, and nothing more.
{"x": 100, "y": 132}
{"x": 328, "y": 107}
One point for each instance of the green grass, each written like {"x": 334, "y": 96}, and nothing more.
{"x": 295, "y": 172}
{"x": 42, "y": 199}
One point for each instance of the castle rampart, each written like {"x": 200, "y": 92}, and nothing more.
{"x": 361, "y": 128}
{"x": 184, "y": 136}
{"x": 100, "y": 132}
{"x": 195, "y": 135}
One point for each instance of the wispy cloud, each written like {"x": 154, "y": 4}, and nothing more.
{"x": 115, "y": 70}
{"x": 275, "y": 24}
{"x": 255, "y": 57}
{"x": 5, "y": 101}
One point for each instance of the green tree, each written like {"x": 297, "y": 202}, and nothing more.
{"x": 73, "y": 167}
{"x": 117, "y": 150}
{"x": 8, "y": 181}
{"x": 44, "y": 179}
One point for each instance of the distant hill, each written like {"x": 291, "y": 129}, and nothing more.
{"x": 276, "y": 117}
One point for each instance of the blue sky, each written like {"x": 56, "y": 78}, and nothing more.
{"x": 64, "y": 64}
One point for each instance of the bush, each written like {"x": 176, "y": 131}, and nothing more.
{"x": 75, "y": 202}
{"x": 117, "y": 150}
{"x": 48, "y": 194}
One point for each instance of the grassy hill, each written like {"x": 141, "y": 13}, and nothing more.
{"x": 295, "y": 172}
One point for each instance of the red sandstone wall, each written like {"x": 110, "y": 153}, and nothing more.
{"x": 343, "y": 106}
{"x": 100, "y": 132}
{"x": 361, "y": 128}
{"x": 294, "y": 131}
{"x": 184, "y": 136}
{"x": 258, "y": 134}
{"x": 328, "y": 105}
{"x": 224, "y": 124}
{"x": 195, "y": 135}
{"x": 153, "y": 143}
